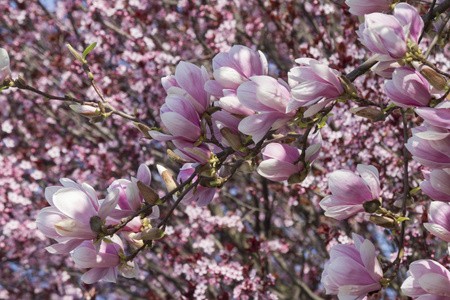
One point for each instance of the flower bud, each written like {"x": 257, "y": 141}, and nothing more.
{"x": 148, "y": 234}
{"x": 96, "y": 224}
{"x": 143, "y": 129}
{"x": 384, "y": 221}
{"x": 371, "y": 206}
{"x": 75, "y": 54}
{"x": 232, "y": 138}
{"x": 150, "y": 196}
{"x": 86, "y": 110}
{"x": 167, "y": 176}
{"x": 436, "y": 80}
{"x": 370, "y": 113}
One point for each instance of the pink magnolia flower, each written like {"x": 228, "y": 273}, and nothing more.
{"x": 363, "y": 7}
{"x": 67, "y": 219}
{"x": 427, "y": 280}
{"x": 279, "y": 159}
{"x": 191, "y": 152}
{"x": 181, "y": 119}
{"x": 188, "y": 82}
{"x": 203, "y": 195}
{"x": 438, "y": 116}
{"x": 385, "y": 68}
{"x": 105, "y": 263}
{"x": 436, "y": 184}
{"x": 410, "y": 20}
{"x": 430, "y": 146}
{"x": 439, "y": 220}
{"x": 349, "y": 191}
{"x": 383, "y": 34}
{"x": 408, "y": 88}
{"x": 316, "y": 81}
{"x": 5, "y": 71}
{"x": 269, "y": 97}
{"x": 352, "y": 271}
{"x": 235, "y": 67}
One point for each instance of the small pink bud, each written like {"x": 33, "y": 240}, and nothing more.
{"x": 86, "y": 110}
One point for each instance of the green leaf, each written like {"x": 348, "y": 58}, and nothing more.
{"x": 414, "y": 190}
{"x": 89, "y": 49}
{"x": 401, "y": 219}
{"x": 4, "y": 88}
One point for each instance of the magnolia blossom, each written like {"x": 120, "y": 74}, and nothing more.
{"x": 439, "y": 220}
{"x": 427, "y": 279}
{"x": 385, "y": 68}
{"x": 352, "y": 271}
{"x": 349, "y": 191}
{"x": 235, "y": 67}
{"x": 67, "y": 219}
{"x": 104, "y": 262}
{"x": 436, "y": 184}
{"x": 279, "y": 159}
{"x": 188, "y": 82}
{"x": 180, "y": 118}
{"x": 191, "y": 152}
{"x": 410, "y": 20}
{"x": 315, "y": 82}
{"x": 5, "y": 71}
{"x": 269, "y": 98}
{"x": 408, "y": 88}
{"x": 363, "y": 7}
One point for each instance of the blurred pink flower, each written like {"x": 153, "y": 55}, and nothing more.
{"x": 68, "y": 218}
{"x": 315, "y": 82}
{"x": 235, "y": 67}
{"x": 349, "y": 191}
{"x": 439, "y": 220}
{"x": 269, "y": 98}
{"x": 363, "y": 7}
{"x": 105, "y": 263}
{"x": 278, "y": 163}
{"x": 188, "y": 82}
{"x": 427, "y": 279}
{"x": 352, "y": 271}
{"x": 408, "y": 88}
{"x": 436, "y": 184}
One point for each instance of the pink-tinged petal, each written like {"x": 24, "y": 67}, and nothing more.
{"x": 269, "y": 92}
{"x": 130, "y": 272}
{"x": 347, "y": 185}
{"x": 222, "y": 60}
{"x": 181, "y": 106}
{"x": 45, "y": 220}
{"x": 370, "y": 176}
{"x": 188, "y": 151}
{"x": 74, "y": 229}
{"x": 342, "y": 250}
{"x": 409, "y": 18}
{"x": 87, "y": 257}
{"x": 411, "y": 287}
{"x": 206, "y": 197}
{"x": 190, "y": 78}
{"x": 94, "y": 275}
{"x": 427, "y": 188}
{"x": 214, "y": 88}
{"x": 248, "y": 95}
{"x": 435, "y": 284}
{"x": 111, "y": 275}
{"x": 64, "y": 247}
{"x": 370, "y": 260}
{"x": 341, "y": 212}
{"x": 89, "y": 190}
{"x": 439, "y": 117}
{"x": 315, "y": 108}
{"x": 75, "y": 204}
{"x": 345, "y": 271}
{"x": 155, "y": 212}
{"x": 144, "y": 175}
{"x": 179, "y": 92}
{"x": 357, "y": 291}
{"x": 438, "y": 231}
{"x": 246, "y": 60}
{"x": 309, "y": 92}
{"x": 161, "y": 136}
{"x": 233, "y": 105}
{"x": 66, "y": 182}
{"x": 168, "y": 82}
{"x": 133, "y": 196}
{"x": 229, "y": 78}
{"x": 439, "y": 213}
{"x": 178, "y": 125}
{"x": 328, "y": 76}
{"x": 108, "y": 204}
{"x": 364, "y": 7}
{"x": 258, "y": 125}
{"x": 276, "y": 170}
{"x": 440, "y": 180}
{"x": 421, "y": 267}
{"x": 281, "y": 152}
{"x": 49, "y": 192}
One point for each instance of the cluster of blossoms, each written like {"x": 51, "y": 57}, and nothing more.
{"x": 241, "y": 120}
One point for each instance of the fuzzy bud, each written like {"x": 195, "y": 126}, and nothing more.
{"x": 371, "y": 206}
{"x": 150, "y": 196}
{"x": 436, "y": 80}
{"x": 232, "y": 138}
{"x": 143, "y": 129}
{"x": 87, "y": 111}
{"x": 75, "y": 54}
{"x": 370, "y": 113}
{"x": 148, "y": 234}
{"x": 168, "y": 178}
{"x": 384, "y": 221}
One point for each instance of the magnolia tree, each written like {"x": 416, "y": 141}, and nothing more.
{"x": 225, "y": 149}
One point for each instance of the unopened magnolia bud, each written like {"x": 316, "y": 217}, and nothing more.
{"x": 232, "y": 138}
{"x": 75, "y": 54}
{"x": 168, "y": 178}
{"x": 150, "y": 196}
{"x": 371, "y": 206}
{"x": 143, "y": 129}
{"x": 384, "y": 221}
{"x": 434, "y": 78}
{"x": 174, "y": 157}
{"x": 148, "y": 234}
{"x": 370, "y": 113}
{"x": 20, "y": 82}
{"x": 96, "y": 224}
{"x": 86, "y": 110}
{"x": 5, "y": 71}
